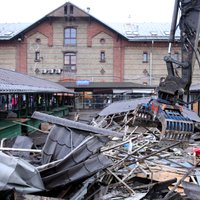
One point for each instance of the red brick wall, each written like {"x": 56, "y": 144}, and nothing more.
{"x": 118, "y": 61}
{"x": 21, "y": 57}
{"x": 45, "y": 29}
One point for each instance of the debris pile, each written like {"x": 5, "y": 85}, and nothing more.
{"x": 107, "y": 160}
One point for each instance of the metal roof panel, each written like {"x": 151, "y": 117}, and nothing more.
{"x": 144, "y": 31}
{"x": 132, "y": 31}
{"x": 14, "y": 82}
{"x": 9, "y": 30}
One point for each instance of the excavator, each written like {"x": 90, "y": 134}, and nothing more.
{"x": 166, "y": 110}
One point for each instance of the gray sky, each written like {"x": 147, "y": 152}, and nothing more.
{"x": 104, "y": 10}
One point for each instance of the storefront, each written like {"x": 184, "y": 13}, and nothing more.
{"x": 97, "y": 95}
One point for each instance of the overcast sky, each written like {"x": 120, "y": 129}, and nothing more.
{"x": 104, "y": 10}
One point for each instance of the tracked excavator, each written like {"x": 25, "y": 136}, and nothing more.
{"x": 166, "y": 110}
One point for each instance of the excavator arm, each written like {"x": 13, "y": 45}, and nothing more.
{"x": 164, "y": 111}
{"x": 189, "y": 25}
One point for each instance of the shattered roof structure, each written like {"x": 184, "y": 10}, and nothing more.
{"x": 70, "y": 153}
{"x": 130, "y": 105}
{"x": 14, "y": 82}
{"x": 123, "y": 106}
{"x": 75, "y": 163}
{"x": 80, "y": 161}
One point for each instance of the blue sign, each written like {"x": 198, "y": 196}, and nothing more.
{"x": 82, "y": 82}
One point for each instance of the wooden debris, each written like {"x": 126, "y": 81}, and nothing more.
{"x": 141, "y": 167}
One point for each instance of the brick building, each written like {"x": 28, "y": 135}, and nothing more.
{"x": 70, "y": 45}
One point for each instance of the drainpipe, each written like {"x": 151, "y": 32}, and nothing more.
{"x": 151, "y": 63}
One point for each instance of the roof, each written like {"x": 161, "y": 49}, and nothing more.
{"x": 131, "y": 31}
{"x": 72, "y": 150}
{"x": 123, "y": 106}
{"x": 9, "y": 30}
{"x": 144, "y": 31}
{"x": 195, "y": 87}
{"x": 14, "y": 82}
{"x": 131, "y": 104}
{"x": 106, "y": 85}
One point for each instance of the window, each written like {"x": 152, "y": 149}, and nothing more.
{"x": 65, "y": 10}
{"x": 38, "y": 40}
{"x": 102, "y": 56}
{"x": 70, "y": 36}
{"x": 37, "y": 56}
{"x": 102, "y": 41}
{"x": 70, "y": 61}
{"x": 71, "y": 10}
{"x": 145, "y": 57}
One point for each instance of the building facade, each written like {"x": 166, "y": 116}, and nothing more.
{"x": 70, "y": 45}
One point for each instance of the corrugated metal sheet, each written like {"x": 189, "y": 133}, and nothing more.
{"x": 65, "y": 140}
{"x": 14, "y": 82}
{"x": 129, "y": 105}
{"x": 123, "y": 106}
{"x": 76, "y": 161}
{"x": 19, "y": 174}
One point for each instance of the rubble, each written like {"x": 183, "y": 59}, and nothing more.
{"x": 106, "y": 159}
{"x": 18, "y": 174}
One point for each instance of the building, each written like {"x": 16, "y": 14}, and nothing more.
{"x": 97, "y": 95}
{"x": 21, "y": 95}
{"x": 70, "y": 45}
